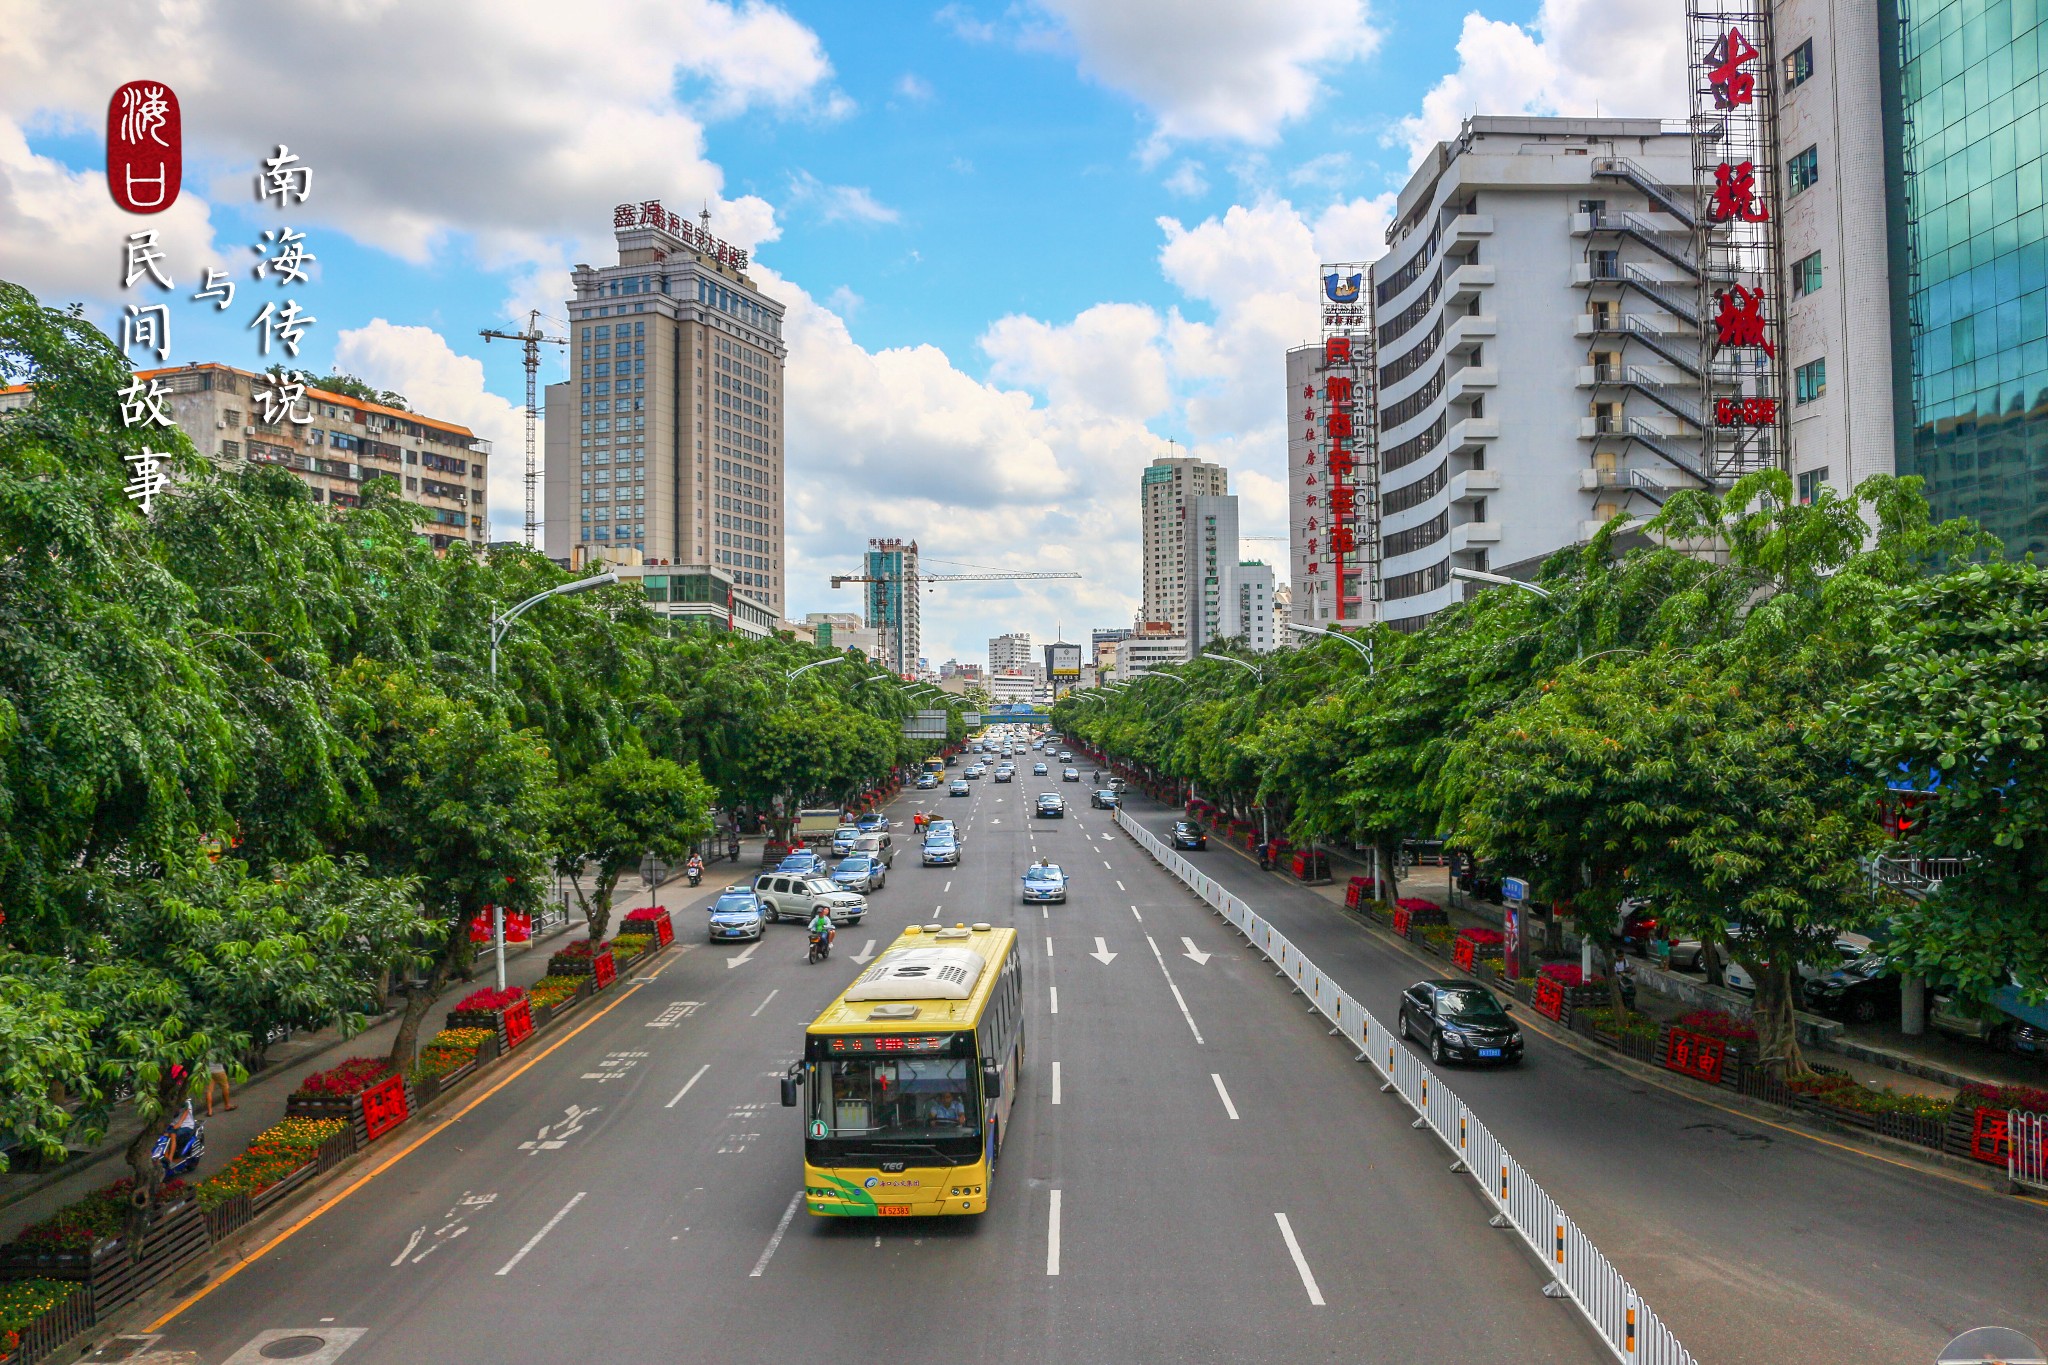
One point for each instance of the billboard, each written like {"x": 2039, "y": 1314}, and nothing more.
{"x": 1062, "y": 661}
{"x": 925, "y": 725}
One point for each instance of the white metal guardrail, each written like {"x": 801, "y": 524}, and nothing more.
{"x": 1630, "y": 1328}
{"x": 2026, "y": 1148}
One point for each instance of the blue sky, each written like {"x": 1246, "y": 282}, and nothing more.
{"x": 1023, "y": 244}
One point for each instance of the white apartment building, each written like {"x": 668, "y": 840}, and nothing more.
{"x": 844, "y": 630}
{"x": 1168, "y": 485}
{"x": 1312, "y": 573}
{"x": 1248, "y": 594}
{"x": 1015, "y": 687}
{"x": 1011, "y": 653}
{"x": 1209, "y": 537}
{"x": 1831, "y": 226}
{"x": 1144, "y": 651}
{"x": 1537, "y": 318}
{"x": 668, "y": 436}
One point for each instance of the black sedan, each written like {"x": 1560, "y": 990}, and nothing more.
{"x": 1051, "y": 807}
{"x": 1103, "y": 800}
{"x": 1188, "y": 834}
{"x": 1864, "y": 990}
{"x": 1459, "y": 1022}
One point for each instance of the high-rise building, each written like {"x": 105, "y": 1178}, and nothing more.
{"x": 1010, "y": 653}
{"x": 332, "y": 442}
{"x": 1248, "y": 602}
{"x": 1964, "y": 121}
{"x": 669, "y": 432}
{"x": 1153, "y": 645}
{"x": 892, "y": 603}
{"x": 844, "y": 630}
{"x": 1169, "y": 484}
{"x": 1313, "y": 573}
{"x": 1209, "y": 538}
{"x": 1283, "y": 612}
{"x": 1832, "y": 244}
{"x": 1521, "y": 241}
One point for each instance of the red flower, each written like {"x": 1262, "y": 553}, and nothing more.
{"x": 1719, "y": 1024}
{"x": 490, "y": 1000}
{"x": 350, "y": 1078}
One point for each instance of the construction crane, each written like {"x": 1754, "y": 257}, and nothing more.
{"x": 840, "y": 578}
{"x": 531, "y": 338}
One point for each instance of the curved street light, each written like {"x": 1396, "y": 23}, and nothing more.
{"x": 1228, "y": 659}
{"x": 821, "y": 663}
{"x": 1498, "y": 580}
{"x": 502, "y": 622}
{"x": 1364, "y": 649}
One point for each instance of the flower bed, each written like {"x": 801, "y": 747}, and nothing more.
{"x": 452, "y": 1051}
{"x": 2025, "y": 1097}
{"x": 347, "y": 1079}
{"x": 628, "y": 948}
{"x": 507, "y": 1015}
{"x": 1719, "y": 1024}
{"x": 1435, "y": 937}
{"x": 488, "y": 1001}
{"x": 86, "y": 1242}
{"x": 37, "y": 1316}
{"x": 653, "y": 920}
{"x": 553, "y": 991}
{"x": 366, "y": 1091}
{"x": 276, "y": 1153}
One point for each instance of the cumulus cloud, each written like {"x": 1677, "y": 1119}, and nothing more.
{"x": 1186, "y": 180}
{"x": 419, "y": 363}
{"x": 1577, "y": 57}
{"x": 1104, "y": 361}
{"x": 1216, "y": 68}
{"x": 913, "y": 87}
{"x": 839, "y": 203}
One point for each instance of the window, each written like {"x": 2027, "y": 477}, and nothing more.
{"x": 1810, "y": 380}
{"x": 1803, "y": 170}
{"x": 1799, "y": 65}
{"x": 1810, "y": 483}
{"x": 1806, "y": 276}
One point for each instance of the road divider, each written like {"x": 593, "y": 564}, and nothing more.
{"x": 1629, "y": 1328}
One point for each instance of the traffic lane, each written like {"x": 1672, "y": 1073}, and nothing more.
{"x": 1178, "y": 1206}
{"x": 1781, "y": 1227}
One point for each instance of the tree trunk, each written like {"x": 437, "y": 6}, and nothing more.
{"x": 1612, "y": 955}
{"x": 1777, "y": 1031}
{"x": 171, "y": 1096}
{"x": 453, "y": 961}
{"x": 597, "y": 911}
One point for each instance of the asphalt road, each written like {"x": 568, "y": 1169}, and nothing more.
{"x": 1230, "y": 1186}
{"x": 1754, "y": 1243}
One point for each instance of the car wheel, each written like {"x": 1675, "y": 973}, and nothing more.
{"x": 1402, "y": 1020}
{"x": 1436, "y": 1048}
{"x": 1864, "y": 1011}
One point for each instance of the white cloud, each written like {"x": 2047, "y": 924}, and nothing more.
{"x": 1186, "y": 180}
{"x": 494, "y": 120}
{"x": 845, "y": 302}
{"x": 1105, "y": 361}
{"x": 1578, "y": 57}
{"x": 1216, "y": 68}
{"x": 913, "y": 87}
{"x": 839, "y": 203}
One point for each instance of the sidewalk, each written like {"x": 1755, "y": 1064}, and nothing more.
{"x": 1875, "y": 1054}
{"x": 29, "y": 1197}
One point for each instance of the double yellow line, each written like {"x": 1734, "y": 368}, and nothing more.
{"x": 402, "y": 1153}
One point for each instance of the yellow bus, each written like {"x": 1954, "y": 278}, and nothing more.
{"x": 908, "y": 1078}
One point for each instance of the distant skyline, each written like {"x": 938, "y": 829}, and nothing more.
{"x": 1023, "y": 245}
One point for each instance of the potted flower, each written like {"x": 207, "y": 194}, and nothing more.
{"x": 37, "y": 1316}
{"x": 650, "y": 919}
{"x": 506, "y": 1014}
{"x": 584, "y": 958}
{"x": 366, "y": 1091}
{"x": 450, "y": 1056}
{"x": 88, "y": 1242}
{"x": 551, "y": 995}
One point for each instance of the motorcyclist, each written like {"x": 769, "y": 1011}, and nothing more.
{"x": 695, "y": 868}
{"x": 821, "y": 926}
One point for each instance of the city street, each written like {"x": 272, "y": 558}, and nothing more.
{"x": 1196, "y": 1173}
{"x": 1755, "y": 1242}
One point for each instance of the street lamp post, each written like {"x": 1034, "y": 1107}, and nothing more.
{"x": 1497, "y": 580}
{"x": 500, "y": 624}
{"x": 1364, "y": 649}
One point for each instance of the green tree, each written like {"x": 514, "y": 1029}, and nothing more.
{"x": 619, "y": 811}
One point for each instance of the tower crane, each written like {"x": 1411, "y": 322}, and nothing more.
{"x": 531, "y": 338}
{"x": 839, "y": 578}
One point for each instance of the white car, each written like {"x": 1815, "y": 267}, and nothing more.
{"x": 788, "y": 895}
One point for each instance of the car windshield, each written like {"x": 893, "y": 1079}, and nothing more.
{"x": 848, "y": 831}
{"x": 820, "y": 886}
{"x": 734, "y": 903}
{"x": 1042, "y": 874}
{"x": 1869, "y": 966}
{"x": 1471, "y": 1007}
{"x": 895, "y": 1098}
{"x": 857, "y": 863}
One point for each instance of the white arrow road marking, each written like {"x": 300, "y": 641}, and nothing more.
{"x": 545, "y": 1229}
{"x": 866, "y": 953}
{"x": 1102, "y": 953}
{"x": 751, "y": 949}
{"x": 420, "y": 1232}
{"x": 1197, "y": 957}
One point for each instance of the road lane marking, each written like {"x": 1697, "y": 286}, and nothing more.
{"x": 1176, "y": 992}
{"x": 545, "y": 1229}
{"x": 768, "y": 1252}
{"x": 1193, "y": 953}
{"x": 947, "y": 889}
{"x": 1308, "y": 1279}
{"x": 1055, "y": 993}
{"x": 1055, "y": 1082}
{"x": 1048, "y": 945}
{"x": 412, "y": 1242}
{"x": 1135, "y": 915}
{"x": 1105, "y": 863}
{"x": 1224, "y": 1095}
{"x": 752, "y": 948}
{"x": 764, "y": 1004}
{"x": 1121, "y": 887}
{"x": 686, "y": 1086}
{"x": 1052, "y": 1238}
{"x": 1102, "y": 953}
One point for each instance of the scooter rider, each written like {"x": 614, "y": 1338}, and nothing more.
{"x": 821, "y": 926}
{"x": 695, "y": 868}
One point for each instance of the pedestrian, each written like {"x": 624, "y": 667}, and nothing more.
{"x": 217, "y": 1075}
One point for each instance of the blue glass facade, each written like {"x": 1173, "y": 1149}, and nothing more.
{"x": 1971, "y": 263}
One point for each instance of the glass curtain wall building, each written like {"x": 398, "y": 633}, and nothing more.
{"x": 1970, "y": 259}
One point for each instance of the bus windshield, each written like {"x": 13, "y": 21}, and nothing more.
{"x": 914, "y": 1099}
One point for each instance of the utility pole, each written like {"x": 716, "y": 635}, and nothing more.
{"x": 531, "y": 338}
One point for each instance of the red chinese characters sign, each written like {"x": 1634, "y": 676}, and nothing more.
{"x": 1739, "y": 319}
{"x": 1696, "y": 1055}
{"x": 518, "y": 1023}
{"x": 1732, "y": 86}
{"x": 1735, "y": 194}
{"x": 1549, "y": 998}
{"x": 384, "y": 1106}
{"x": 145, "y": 147}
{"x": 602, "y": 968}
{"x": 1745, "y": 412}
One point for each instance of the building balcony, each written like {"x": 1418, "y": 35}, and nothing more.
{"x": 1474, "y": 484}
{"x": 1467, "y": 281}
{"x": 1628, "y": 221}
{"x": 1468, "y": 332}
{"x": 1593, "y": 428}
{"x": 1471, "y": 436}
{"x": 1468, "y": 227}
{"x": 1473, "y": 534}
{"x": 1593, "y": 376}
{"x": 1468, "y": 383}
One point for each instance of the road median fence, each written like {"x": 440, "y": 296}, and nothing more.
{"x": 69, "y": 1273}
{"x": 1629, "y": 1328}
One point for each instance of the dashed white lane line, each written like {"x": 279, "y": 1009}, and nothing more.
{"x": 1136, "y": 915}
{"x": 768, "y": 1252}
{"x": 1176, "y": 992}
{"x": 1308, "y": 1278}
{"x": 1054, "y": 992}
{"x": 1052, "y": 1239}
{"x": 1105, "y": 863}
{"x": 1121, "y": 887}
{"x": 545, "y": 1229}
{"x": 1224, "y": 1095}
{"x": 764, "y": 1004}
{"x": 697, "y": 1076}
{"x": 947, "y": 889}
{"x": 1055, "y": 1082}
{"x": 1048, "y": 945}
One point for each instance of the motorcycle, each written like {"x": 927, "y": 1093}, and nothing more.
{"x": 821, "y": 947}
{"x": 695, "y": 874}
{"x": 178, "y": 1151}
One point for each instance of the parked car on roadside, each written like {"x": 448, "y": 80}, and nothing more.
{"x": 1864, "y": 990}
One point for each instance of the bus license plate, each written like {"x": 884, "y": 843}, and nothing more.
{"x": 893, "y": 1210}
{"x": 1489, "y": 1052}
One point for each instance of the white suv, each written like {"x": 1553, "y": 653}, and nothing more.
{"x": 789, "y": 895}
